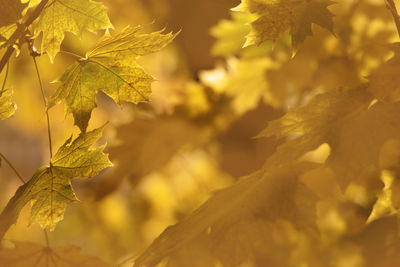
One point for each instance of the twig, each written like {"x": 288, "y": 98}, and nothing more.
{"x": 34, "y": 54}
{"x": 20, "y": 31}
{"x": 392, "y": 7}
{"x": 71, "y": 54}
{"x": 5, "y": 79}
{"x": 45, "y": 105}
{"x": 13, "y": 168}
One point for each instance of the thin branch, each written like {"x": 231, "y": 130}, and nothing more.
{"x": 13, "y": 168}
{"x": 392, "y": 7}
{"x": 45, "y": 105}
{"x": 19, "y": 32}
{"x": 5, "y": 79}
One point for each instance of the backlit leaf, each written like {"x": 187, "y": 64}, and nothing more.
{"x": 73, "y": 16}
{"x": 50, "y": 189}
{"x": 254, "y": 202}
{"x": 111, "y": 67}
{"x": 7, "y": 107}
{"x": 346, "y": 120}
{"x": 245, "y": 81}
{"x": 276, "y": 17}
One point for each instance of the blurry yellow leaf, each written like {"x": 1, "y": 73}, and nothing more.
{"x": 344, "y": 120}
{"x": 231, "y": 34}
{"x": 75, "y": 16}
{"x": 26, "y": 254}
{"x": 7, "y": 107}
{"x": 111, "y": 67}
{"x": 50, "y": 189}
{"x": 279, "y": 16}
{"x": 257, "y": 200}
{"x": 245, "y": 81}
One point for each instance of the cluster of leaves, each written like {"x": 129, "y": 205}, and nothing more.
{"x": 327, "y": 190}
{"x": 340, "y": 208}
{"x": 111, "y": 67}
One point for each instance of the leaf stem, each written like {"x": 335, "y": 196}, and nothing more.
{"x": 71, "y": 54}
{"x": 13, "y": 168}
{"x": 48, "y": 126}
{"x": 392, "y": 7}
{"x": 45, "y": 104}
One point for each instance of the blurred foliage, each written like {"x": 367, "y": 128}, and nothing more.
{"x": 265, "y": 134}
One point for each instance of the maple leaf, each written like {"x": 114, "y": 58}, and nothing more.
{"x": 7, "y": 107}
{"x": 10, "y": 11}
{"x": 345, "y": 120}
{"x": 111, "y": 67}
{"x": 73, "y": 16}
{"x": 276, "y": 17}
{"x": 27, "y": 254}
{"x": 259, "y": 199}
{"x": 50, "y": 189}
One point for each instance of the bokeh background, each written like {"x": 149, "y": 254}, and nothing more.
{"x": 211, "y": 98}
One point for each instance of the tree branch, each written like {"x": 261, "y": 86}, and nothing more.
{"x": 392, "y": 7}
{"x": 20, "y": 31}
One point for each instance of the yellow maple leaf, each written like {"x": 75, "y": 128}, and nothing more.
{"x": 276, "y": 17}
{"x": 60, "y": 16}
{"x": 50, "y": 189}
{"x": 111, "y": 67}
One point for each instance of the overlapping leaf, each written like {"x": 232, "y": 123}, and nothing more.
{"x": 111, "y": 67}
{"x": 73, "y": 16}
{"x": 50, "y": 189}
{"x": 10, "y": 11}
{"x": 7, "y": 107}
{"x": 276, "y": 17}
{"x": 255, "y": 202}
{"x": 26, "y": 254}
{"x": 354, "y": 128}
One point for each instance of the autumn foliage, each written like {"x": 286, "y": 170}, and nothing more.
{"x": 215, "y": 133}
